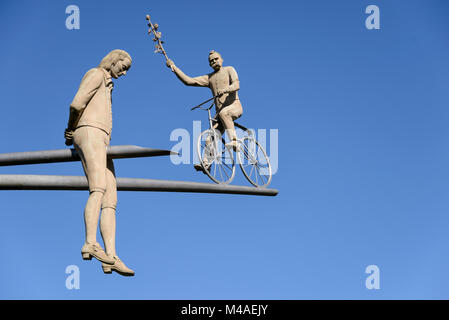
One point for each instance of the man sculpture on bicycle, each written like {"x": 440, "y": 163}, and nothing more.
{"x": 224, "y": 84}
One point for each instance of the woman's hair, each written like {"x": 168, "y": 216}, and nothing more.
{"x": 113, "y": 57}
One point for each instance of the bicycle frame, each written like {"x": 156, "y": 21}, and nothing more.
{"x": 215, "y": 151}
{"x": 216, "y": 138}
{"x": 210, "y": 119}
{"x": 210, "y": 115}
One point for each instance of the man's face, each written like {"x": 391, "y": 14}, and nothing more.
{"x": 215, "y": 61}
{"x": 120, "y": 68}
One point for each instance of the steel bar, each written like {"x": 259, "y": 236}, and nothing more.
{"x": 48, "y": 182}
{"x": 67, "y": 155}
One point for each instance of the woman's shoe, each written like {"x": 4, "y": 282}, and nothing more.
{"x": 95, "y": 250}
{"x": 118, "y": 267}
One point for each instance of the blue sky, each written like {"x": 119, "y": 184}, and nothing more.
{"x": 363, "y": 155}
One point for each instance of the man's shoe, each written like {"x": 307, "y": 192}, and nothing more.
{"x": 95, "y": 250}
{"x": 199, "y": 167}
{"x": 118, "y": 267}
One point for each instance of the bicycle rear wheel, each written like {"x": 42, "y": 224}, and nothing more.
{"x": 254, "y": 162}
{"x": 216, "y": 160}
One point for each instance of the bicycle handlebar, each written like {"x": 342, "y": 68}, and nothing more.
{"x": 198, "y": 106}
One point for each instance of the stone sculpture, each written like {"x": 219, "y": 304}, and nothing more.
{"x": 89, "y": 130}
{"x": 224, "y": 84}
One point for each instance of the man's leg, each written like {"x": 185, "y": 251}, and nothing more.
{"x": 108, "y": 207}
{"x": 227, "y": 117}
{"x": 228, "y": 123}
{"x": 89, "y": 143}
{"x": 108, "y": 223}
{"x": 91, "y": 215}
{"x": 90, "y": 147}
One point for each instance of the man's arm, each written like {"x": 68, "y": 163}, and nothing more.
{"x": 88, "y": 87}
{"x": 201, "y": 81}
{"x": 235, "y": 83}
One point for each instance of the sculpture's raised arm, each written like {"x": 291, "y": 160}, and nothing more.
{"x": 201, "y": 81}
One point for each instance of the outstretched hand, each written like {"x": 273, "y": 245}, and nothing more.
{"x": 170, "y": 64}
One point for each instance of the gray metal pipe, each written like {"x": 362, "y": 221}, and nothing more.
{"x": 46, "y": 182}
{"x": 67, "y": 155}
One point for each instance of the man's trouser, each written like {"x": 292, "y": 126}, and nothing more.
{"x": 91, "y": 144}
{"x": 231, "y": 112}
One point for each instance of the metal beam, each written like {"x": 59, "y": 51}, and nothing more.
{"x": 67, "y": 155}
{"x": 46, "y": 182}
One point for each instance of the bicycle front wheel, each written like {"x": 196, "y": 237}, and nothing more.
{"x": 254, "y": 162}
{"x": 216, "y": 159}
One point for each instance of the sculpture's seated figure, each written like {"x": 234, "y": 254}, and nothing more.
{"x": 224, "y": 83}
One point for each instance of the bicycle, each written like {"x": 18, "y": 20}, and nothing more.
{"x": 214, "y": 153}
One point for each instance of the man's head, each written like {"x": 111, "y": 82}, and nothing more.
{"x": 117, "y": 62}
{"x": 215, "y": 60}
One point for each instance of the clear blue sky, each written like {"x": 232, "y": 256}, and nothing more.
{"x": 363, "y": 150}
